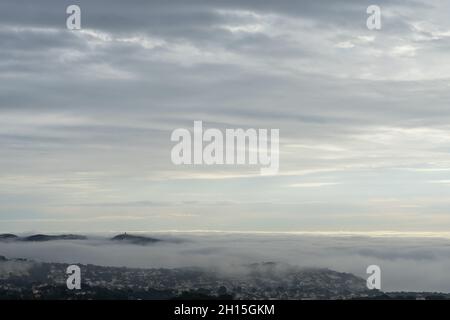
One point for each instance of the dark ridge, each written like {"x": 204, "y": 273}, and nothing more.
{"x": 134, "y": 239}
{"x": 45, "y": 237}
{"x": 8, "y": 236}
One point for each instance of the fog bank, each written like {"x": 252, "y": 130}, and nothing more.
{"x": 412, "y": 264}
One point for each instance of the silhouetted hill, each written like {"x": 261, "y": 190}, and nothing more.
{"x": 45, "y": 237}
{"x": 8, "y": 236}
{"x": 134, "y": 239}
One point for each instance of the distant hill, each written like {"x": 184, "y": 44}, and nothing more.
{"x": 45, "y": 237}
{"x": 8, "y": 236}
{"x": 124, "y": 237}
{"x": 134, "y": 239}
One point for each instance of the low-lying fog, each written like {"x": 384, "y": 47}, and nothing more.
{"x": 413, "y": 264}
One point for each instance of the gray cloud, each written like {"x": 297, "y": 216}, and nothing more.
{"x": 86, "y": 116}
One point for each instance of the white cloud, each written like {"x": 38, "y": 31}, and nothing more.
{"x": 345, "y": 45}
{"x": 404, "y": 51}
{"x": 313, "y": 184}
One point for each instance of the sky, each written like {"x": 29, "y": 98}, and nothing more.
{"x": 86, "y": 115}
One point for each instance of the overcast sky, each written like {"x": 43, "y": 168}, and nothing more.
{"x": 86, "y": 116}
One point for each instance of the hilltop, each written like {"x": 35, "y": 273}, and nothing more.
{"x": 134, "y": 239}
{"x": 45, "y": 237}
{"x": 8, "y": 236}
{"x": 124, "y": 237}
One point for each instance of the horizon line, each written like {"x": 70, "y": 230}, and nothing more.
{"x": 343, "y": 233}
